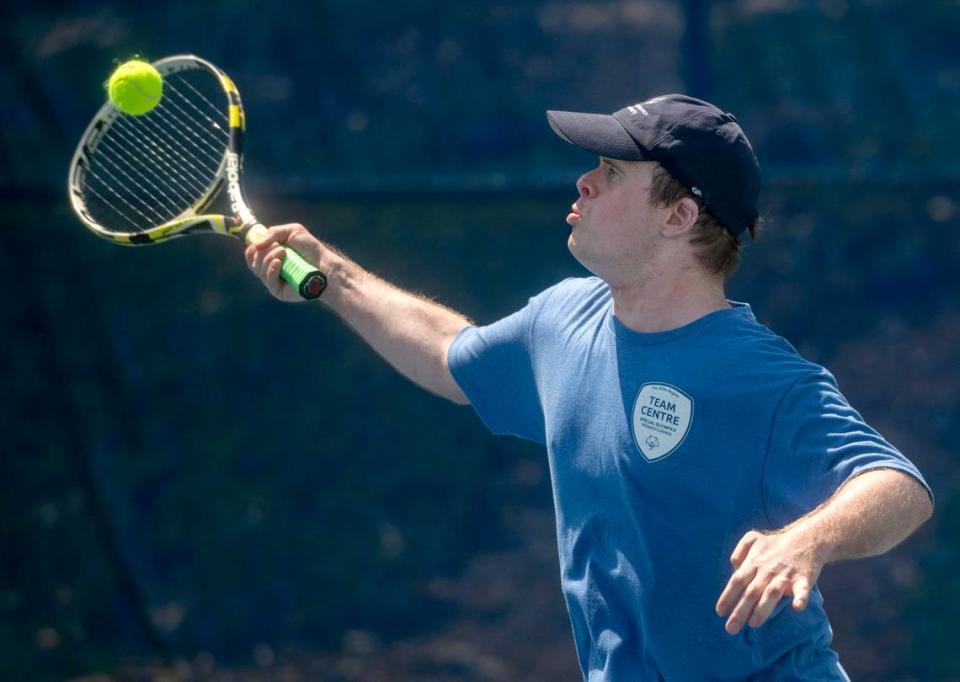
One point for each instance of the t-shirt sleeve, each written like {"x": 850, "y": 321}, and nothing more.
{"x": 818, "y": 441}
{"x": 492, "y": 365}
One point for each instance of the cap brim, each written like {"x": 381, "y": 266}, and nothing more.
{"x": 601, "y": 134}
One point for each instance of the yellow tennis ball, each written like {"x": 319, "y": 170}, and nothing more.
{"x": 135, "y": 87}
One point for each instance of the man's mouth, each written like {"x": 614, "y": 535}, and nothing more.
{"x": 574, "y": 215}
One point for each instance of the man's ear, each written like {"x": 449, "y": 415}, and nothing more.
{"x": 683, "y": 216}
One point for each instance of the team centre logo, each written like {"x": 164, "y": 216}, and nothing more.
{"x": 661, "y": 419}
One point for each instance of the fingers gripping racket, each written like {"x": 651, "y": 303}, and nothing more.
{"x": 138, "y": 180}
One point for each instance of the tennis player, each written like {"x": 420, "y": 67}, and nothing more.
{"x": 703, "y": 472}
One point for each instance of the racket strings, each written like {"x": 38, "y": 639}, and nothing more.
{"x": 177, "y": 136}
{"x": 150, "y": 169}
{"x": 121, "y": 160}
{"x": 190, "y": 136}
{"x": 174, "y": 154}
{"x": 143, "y": 207}
{"x": 110, "y": 204}
{"x": 199, "y": 96}
{"x": 163, "y": 172}
{"x": 176, "y": 167}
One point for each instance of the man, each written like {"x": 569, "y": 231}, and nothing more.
{"x": 703, "y": 472}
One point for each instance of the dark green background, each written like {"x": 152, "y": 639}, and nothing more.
{"x": 192, "y": 471}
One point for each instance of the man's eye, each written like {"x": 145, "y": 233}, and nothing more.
{"x": 611, "y": 171}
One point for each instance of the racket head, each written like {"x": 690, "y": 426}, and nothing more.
{"x": 145, "y": 179}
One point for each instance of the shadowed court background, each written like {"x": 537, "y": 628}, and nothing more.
{"x": 198, "y": 482}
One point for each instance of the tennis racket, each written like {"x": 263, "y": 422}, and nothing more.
{"x": 137, "y": 180}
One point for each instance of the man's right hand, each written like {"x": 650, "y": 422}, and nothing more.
{"x": 265, "y": 257}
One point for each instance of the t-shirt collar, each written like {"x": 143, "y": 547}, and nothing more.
{"x": 737, "y": 309}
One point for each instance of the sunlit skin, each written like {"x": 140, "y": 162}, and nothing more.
{"x": 640, "y": 250}
{"x": 869, "y": 515}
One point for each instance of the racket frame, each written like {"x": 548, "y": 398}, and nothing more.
{"x": 242, "y": 225}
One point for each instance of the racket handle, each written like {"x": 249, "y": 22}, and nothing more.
{"x": 301, "y": 275}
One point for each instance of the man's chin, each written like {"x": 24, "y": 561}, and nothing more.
{"x": 580, "y": 257}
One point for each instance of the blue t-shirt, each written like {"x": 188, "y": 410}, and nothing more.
{"x": 664, "y": 450}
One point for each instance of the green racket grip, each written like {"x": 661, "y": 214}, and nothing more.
{"x": 301, "y": 275}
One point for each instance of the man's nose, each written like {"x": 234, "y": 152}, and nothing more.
{"x": 585, "y": 185}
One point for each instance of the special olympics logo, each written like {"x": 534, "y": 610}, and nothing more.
{"x": 661, "y": 419}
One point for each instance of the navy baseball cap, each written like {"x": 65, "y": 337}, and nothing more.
{"x": 701, "y": 146}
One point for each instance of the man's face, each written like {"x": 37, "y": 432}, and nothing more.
{"x": 615, "y": 226}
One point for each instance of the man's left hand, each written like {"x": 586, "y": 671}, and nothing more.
{"x": 767, "y": 567}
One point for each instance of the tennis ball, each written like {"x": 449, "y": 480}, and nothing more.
{"x": 135, "y": 87}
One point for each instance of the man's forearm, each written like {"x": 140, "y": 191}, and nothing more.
{"x": 869, "y": 515}
{"x": 410, "y": 332}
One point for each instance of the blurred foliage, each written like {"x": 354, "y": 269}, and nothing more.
{"x": 268, "y": 477}
{"x": 190, "y": 466}
{"x": 370, "y": 94}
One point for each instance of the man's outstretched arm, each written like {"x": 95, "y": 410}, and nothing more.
{"x": 410, "y": 332}
{"x": 869, "y": 515}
